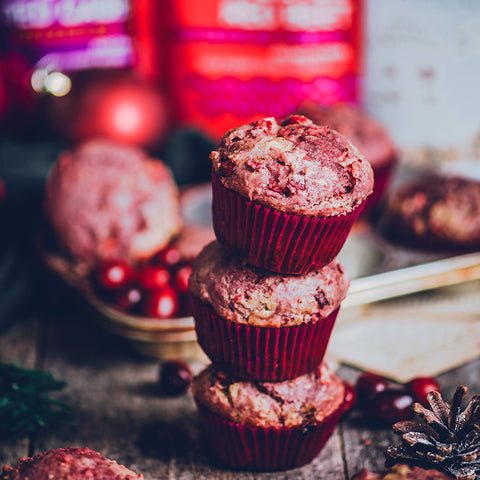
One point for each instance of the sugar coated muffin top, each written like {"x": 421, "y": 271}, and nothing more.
{"x": 438, "y": 210}
{"x": 244, "y": 294}
{"x": 72, "y": 463}
{"x": 364, "y": 131}
{"x": 108, "y": 200}
{"x": 303, "y": 401}
{"x": 295, "y": 166}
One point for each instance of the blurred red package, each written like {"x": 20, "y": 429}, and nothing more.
{"x": 229, "y": 62}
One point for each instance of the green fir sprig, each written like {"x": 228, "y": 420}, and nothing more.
{"x": 25, "y": 405}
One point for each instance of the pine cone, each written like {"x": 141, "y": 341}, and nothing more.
{"x": 449, "y": 440}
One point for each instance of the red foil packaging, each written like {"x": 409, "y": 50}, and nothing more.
{"x": 229, "y": 62}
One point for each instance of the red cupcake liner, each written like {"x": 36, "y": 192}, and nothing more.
{"x": 261, "y": 353}
{"x": 273, "y": 240}
{"x": 268, "y": 448}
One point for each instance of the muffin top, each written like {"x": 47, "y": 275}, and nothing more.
{"x": 244, "y": 294}
{"x": 106, "y": 200}
{"x": 438, "y": 210}
{"x": 303, "y": 401}
{"x": 365, "y": 132}
{"x": 295, "y": 167}
{"x": 71, "y": 463}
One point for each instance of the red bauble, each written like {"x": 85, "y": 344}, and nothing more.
{"x": 111, "y": 103}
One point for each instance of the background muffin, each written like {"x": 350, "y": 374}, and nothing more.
{"x": 269, "y": 425}
{"x": 71, "y": 463}
{"x": 367, "y": 134}
{"x": 285, "y": 195}
{"x": 435, "y": 212}
{"x": 258, "y": 324}
{"x": 110, "y": 201}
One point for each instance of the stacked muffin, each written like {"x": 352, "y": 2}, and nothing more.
{"x": 368, "y": 134}
{"x": 267, "y": 293}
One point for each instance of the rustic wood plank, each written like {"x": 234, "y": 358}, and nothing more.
{"x": 121, "y": 414}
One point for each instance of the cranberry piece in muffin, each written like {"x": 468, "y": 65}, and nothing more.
{"x": 286, "y": 195}
{"x": 258, "y": 324}
{"x": 71, "y": 463}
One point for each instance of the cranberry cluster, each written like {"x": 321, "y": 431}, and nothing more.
{"x": 386, "y": 402}
{"x": 155, "y": 289}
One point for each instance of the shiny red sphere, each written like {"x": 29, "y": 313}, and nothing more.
{"x": 169, "y": 256}
{"x": 181, "y": 278}
{"x": 368, "y": 385}
{"x": 419, "y": 387}
{"x": 390, "y": 406}
{"x": 114, "y": 274}
{"x": 112, "y": 104}
{"x": 175, "y": 377}
{"x": 161, "y": 303}
{"x": 152, "y": 277}
{"x": 129, "y": 298}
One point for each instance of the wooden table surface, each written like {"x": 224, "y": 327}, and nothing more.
{"x": 120, "y": 413}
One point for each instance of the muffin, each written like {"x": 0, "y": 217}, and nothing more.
{"x": 439, "y": 213}
{"x": 71, "y": 463}
{"x": 401, "y": 472}
{"x": 104, "y": 200}
{"x": 367, "y": 134}
{"x": 269, "y": 425}
{"x": 262, "y": 325}
{"x": 285, "y": 195}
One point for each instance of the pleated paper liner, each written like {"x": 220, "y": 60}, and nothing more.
{"x": 261, "y": 353}
{"x": 268, "y": 448}
{"x": 273, "y": 240}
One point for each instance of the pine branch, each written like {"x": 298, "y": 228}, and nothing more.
{"x": 25, "y": 405}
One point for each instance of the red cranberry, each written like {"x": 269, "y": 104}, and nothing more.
{"x": 169, "y": 256}
{"x": 175, "y": 377}
{"x": 114, "y": 274}
{"x": 153, "y": 276}
{"x": 368, "y": 385}
{"x": 390, "y": 406}
{"x": 181, "y": 278}
{"x": 129, "y": 298}
{"x": 420, "y": 386}
{"x": 161, "y": 303}
{"x": 350, "y": 396}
